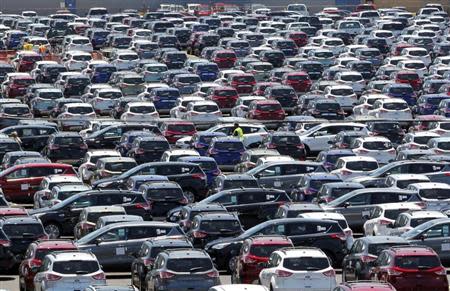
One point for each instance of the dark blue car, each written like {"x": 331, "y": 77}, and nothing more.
{"x": 164, "y": 99}
{"x": 227, "y": 151}
{"x": 207, "y": 71}
{"x": 403, "y": 91}
{"x": 101, "y": 73}
{"x": 127, "y": 139}
{"x": 208, "y": 165}
{"x": 202, "y": 140}
{"x": 99, "y": 37}
{"x": 428, "y": 104}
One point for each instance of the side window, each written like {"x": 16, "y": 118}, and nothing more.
{"x": 442, "y": 230}
{"x": 271, "y": 171}
{"x": 274, "y": 229}
{"x": 362, "y": 199}
{"x": 114, "y": 235}
{"x": 84, "y": 201}
{"x": 227, "y": 199}
{"x": 19, "y": 174}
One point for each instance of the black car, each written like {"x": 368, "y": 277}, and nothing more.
{"x": 119, "y": 106}
{"x": 357, "y": 264}
{"x": 286, "y": 143}
{"x": 163, "y": 196}
{"x": 390, "y": 129}
{"x": 326, "y": 109}
{"x": 66, "y": 147}
{"x": 324, "y": 234}
{"x": 49, "y": 73}
{"x": 61, "y": 218}
{"x": 109, "y": 136}
{"x": 291, "y": 210}
{"x": 189, "y": 176}
{"x": 145, "y": 259}
{"x": 207, "y": 227}
{"x": 232, "y": 181}
{"x": 16, "y": 233}
{"x": 254, "y": 205}
{"x": 32, "y": 137}
{"x": 148, "y": 149}
{"x": 275, "y": 57}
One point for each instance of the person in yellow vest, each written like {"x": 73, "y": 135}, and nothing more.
{"x": 237, "y": 131}
{"x": 27, "y": 46}
{"x": 42, "y": 50}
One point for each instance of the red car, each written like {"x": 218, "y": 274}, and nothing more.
{"x": 243, "y": 83}
{"x": 20, "y": 182}
{"x": 300, "y": 81}
{"x": 224, "y": 59}
{"x": 300, "y": 38}
{"x": 411, "y": 268}
{"x": 225, "y": 97}
{"x": 266, "y": 110}
{"x": 397, "y": 48}
{"x": 365, "y": 286}
{"x": 255, "y": 250}
{"x": 17, "y": 85}
{"x": 175, "y": 130}
{"x": 408, "y": 77}
{"x": 33, "y": 259}
{"x": 25, "y": 60}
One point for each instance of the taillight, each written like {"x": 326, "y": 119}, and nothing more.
{"x": 340, "y": 236}
{"x": 441, "y": 271}
{"x": 99, "y": 276}
{"x": 385, "y": 222}
{"x": 394, "y": 272}
{"x": 140, "y": 151}
{"x": 283, "y": 274}
{"x": 345, "y": 172}
{"x": 329, "y": 273}
{"x": 5, "y": 243}
{"x": 35, "y": 263}
{"x": 52, "y": 277}
{"x": 144, "y": 205}
{"x": 166, "y": 275}
{"x": 83, "y": 146}
{"x": 198, "y": 176}
{"x": 271, "y": 146}
{"x": 216, "y": 172}
{"x": 184, "y": 200}
{"x": 148, "y": 262}
{"x": 53, "y": 147}
{"x": 368, "y": 258}
{"x": 213, "y": 274}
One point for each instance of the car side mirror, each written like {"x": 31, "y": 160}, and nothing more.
{"x": 98, "y": 241}
{"x": 346, "y": 204}
{"x": 422, "y": 237}
{"x": 365, "y": 217}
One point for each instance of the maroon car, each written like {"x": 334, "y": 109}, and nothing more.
{"x": 225, "y": 97}
{"x": 266, "y": 110}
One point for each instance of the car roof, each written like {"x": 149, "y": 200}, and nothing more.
{"x": 55, "y": 244}
{"x": 186, "y": 253}
{"x": 412, "y": 251}
{"x": 383, "y": 239}
{"x": 73, "y": 255}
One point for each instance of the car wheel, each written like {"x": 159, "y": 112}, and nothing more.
{"x": 53, "y": 230}
{"x": 271, "y": 287}
{"x": 189, "y": 195}
{"x": 307, "y": 151}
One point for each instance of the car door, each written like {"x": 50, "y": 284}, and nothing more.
{"x": 109, "y": 247}
{"x": 269, "y": 177}
{"x": 436, "y": 237}
{"x": 15, "y": 184}
{"x": 354, "y": 208}
{"x": 318, "y": 140}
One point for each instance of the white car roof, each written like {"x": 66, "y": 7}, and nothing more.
{"x": 324, "y": 215}
{"x": 63, "y": 178}
{"x": 95, "y": 153}
{"x": 430, "y": 185}
{"x": 408, "y": 205}
{"x": 240, "y": 287}
{"x": 374, "y": 139}
{"x": 140, "y": 103}
{"x": 340, "y": 87}
{"x": 302, "y": 252}
{"x": 392, "y": 100}
{"x": 74, "y": 255}
{"x": 358, "y": 159}
{"x": 409, "y": 176}
{"x": 425, "y": 214}
{"x": 183, "y": 152}
{"x": 68, "y": 105}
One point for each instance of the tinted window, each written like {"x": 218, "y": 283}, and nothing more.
{"x": 306, "y": 263}
{"x": 76, "y": 267}
{"x": 417, "y": 262}
{"x": 189, "y": 265}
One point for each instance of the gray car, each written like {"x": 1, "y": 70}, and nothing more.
{"x": 356, "y": 204}
{"x": 434, "y": 234}
{"x": 182, "y": 269}
{"x": 115, "y": 244}
{"x": 283, "y": 175}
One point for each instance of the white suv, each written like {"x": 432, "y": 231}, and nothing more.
{"x": 69, "y": 270}
{"x": 409, "y": 220}
{"x": 298, "y": 268}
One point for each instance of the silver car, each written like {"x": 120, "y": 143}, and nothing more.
{"x": 69, "y": 270}
{"x": 114, "y": 244}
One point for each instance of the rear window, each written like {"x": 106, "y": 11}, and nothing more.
{"x": 265, "y": 250}
{"x": 68, "y": 140}
{"x": 362, "y": 166}
{"x": 181, "y": 127}
{"x": 409, "y": 77}
{"x": 133, "y": 80}
{"x": 119, "y": 166}
{"x": 189, "y": 265}
{"x": 393, "y": 213}
{"x": 306, "y": 263}
{"x": 23, "y": 230}
{"x": 286, "y": 140}
{"x": 377, "y": 145}
{"x": 230, "y": 146}
{"x": 164, "y": 194}
{"x": 243, "y": 79}
{"x": 220, "y": 226}
{"x": 395, "y": 106}
{"x": 142, "y": 109}
{"x": 16, "y": 110}
{"x": 417, "y": 262}
{"x": 328, "y": 106}
{"x": 80, "y": 110}
{"x": 376, "y": 249}
{"x": 155, "y": 145}
{"x": 439, "y": 194}
{"x": 233, "y": 184}
{"x": 9, "y": 147}
{"x": 76, "y": 267}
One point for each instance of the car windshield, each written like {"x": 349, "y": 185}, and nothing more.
{"x": 234, "y": 184}
{"x": 361, "y": 166}
{"x": 63, "y": 195}
{"x": 82, "y": 58}
{"x": 377, "y": 145}
{"x": 338, "y": 192}
{"x": 23, "y": 82}
{"x": 265, "y": 251}
{"x": 316, "y": 184}
{"x": 370, "y": 53}
{"x": 439, "y": 194}
{"x": 401, "y": 90}
{"x": 205, "y": 108}
{"x": 110, "y": 95}
{"x": 225, "y": 93}
{"x": 68, "y": 140}
{"x": 16, "y": 110}
{"x": 417, "y": 262}
{"x": 386, "y": 126}
{"x": 51, "y": 95}
{"x": 342, "y": 92}
{"x": 76, "y": 267}
{"x": 324, "y": 55}
{"x": 333, "y": 158}
{"x": 119, "y": 166}
{"x": 414, "y": 66}
{"x": 306, "y": 263}
{"x": 78, "y": 81}
{"x": 286, "y": 140}
{"x": 351, "y": 78}
{"x": 130, "y": 57}
{"x": 393, "y": 213}
{"x": 133, "y": 80}
{"x": 220, "y": 226}
{"x": 155, "y": 145}
{"x": 23, "y": 230}
{"x": 181, "y": 127}
{"x": 444, "y": 145}
{"x": 328, "y": 106}
{"x": 189, "y": 80}
{"x": 189, "y": 265}
{"x": 80, "y": 110}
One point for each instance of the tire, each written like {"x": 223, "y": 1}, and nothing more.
{"x": 189, "y": 195}
{"x": 53, "y": 230}
{"x": 307, "y": 151}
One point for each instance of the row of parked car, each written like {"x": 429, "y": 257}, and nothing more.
{"x": 123, "y": 132}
